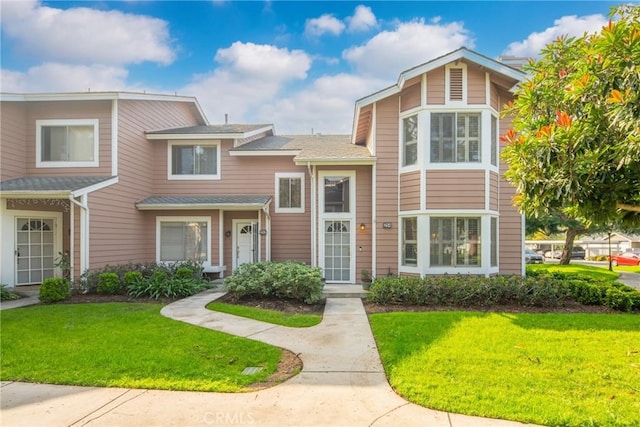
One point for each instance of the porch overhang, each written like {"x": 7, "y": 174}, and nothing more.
{"x": 35, "y": 187}
{"x": 221, "y": 202}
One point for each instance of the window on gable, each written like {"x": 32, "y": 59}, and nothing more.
{"x": 455, "y": 241}
{"x": 455, "y": 137}
{"x": 290, "y": 192}
{"x": 183, "y": 239}
{"x": 193, "y": 161}
{"x": 410, "y": 140}
{"x": 67, "y": 143}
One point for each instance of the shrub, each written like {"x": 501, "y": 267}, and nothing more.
{"x": 54, "y": 289}
{"x": 183, "y": 273}
{"x": 132, "y": 278}
{"x": 108, "y": 284}
{"x": 618, "y": 299}
{"x": 7, "y": 294}
{"x": 291, "y": 280}
{"x": 162, "y": 284}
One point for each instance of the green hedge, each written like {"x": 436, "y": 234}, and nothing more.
{"x": 290, "y": 280}
{"x": 54, "y": 289}
{"x": 539, "y": 290}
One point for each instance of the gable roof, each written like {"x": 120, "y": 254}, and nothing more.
{"x": 38, "y": 186}
{"x": 460, "y": 54}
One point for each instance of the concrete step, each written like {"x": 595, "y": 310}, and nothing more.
{"x": 343, "y": 291}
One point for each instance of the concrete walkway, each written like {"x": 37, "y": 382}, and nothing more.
{"x": 342, "y": 384}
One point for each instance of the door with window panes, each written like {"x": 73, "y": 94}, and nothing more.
{"x": 337, "y": 219}
{"x": 35, "y": 255}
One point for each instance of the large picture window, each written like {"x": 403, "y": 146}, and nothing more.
{"x": 183, "y": 239}
{"x": 67, "y": 143}
{"x": 410, "y": 241}
{"x": 455, "y": 137}
{"x": 290, "y": 192}
{"x": 191, "y": 161}
{"x": 410, "y": 141}
{"x": 455, "y": 242}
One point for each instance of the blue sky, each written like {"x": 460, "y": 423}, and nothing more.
{"x": 298, "y": 65}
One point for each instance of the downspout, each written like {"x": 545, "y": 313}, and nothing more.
{"x": 312, "y": 174}
{"x": 267, "y": 242}
{"x": 84, "y": 231}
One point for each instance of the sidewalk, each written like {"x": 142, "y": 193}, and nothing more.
{"x": 342, "y": 384}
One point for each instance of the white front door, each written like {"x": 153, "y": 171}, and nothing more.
{"x": 337, "y": 251}
{"x": 35, "y": 249}
{"x": 245, "y": 242}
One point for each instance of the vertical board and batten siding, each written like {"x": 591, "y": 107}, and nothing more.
{"x": 435, "y": 86}
{"x": 60, "y": 110}
{"x": 410, "y": 97}
{"x": 13, "y": 137}
{"x": 387, "y": 128}
{"x": 511, "y": 223}
{"x": 460, "y": 189}
{"x": 494, "y": 189}
{"x": 120, "y": 233}
{"x": 476, "y": 85}
{"x": 410, "y": 191}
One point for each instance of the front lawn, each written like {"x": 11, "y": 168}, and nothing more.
{"x": 587, "y": 270}
{"x": 550, "y": 369}
{"x": 125, "y": 345}
{"x": 294, "y": 320}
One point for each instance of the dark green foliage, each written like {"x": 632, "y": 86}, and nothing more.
{"x": 163, "y": 283}
{"x": 291, "y": 280}
{"x": 54, "y": 289}
{"x": 132, "y": 278}
{"x": 537, "y": 290}
{"x": 7, "y": 295}
{"x": 108, "y": 284}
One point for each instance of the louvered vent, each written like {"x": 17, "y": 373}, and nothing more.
{"x": 455, "y": 84}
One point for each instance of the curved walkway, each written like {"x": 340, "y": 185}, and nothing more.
{"x": 342, "y": 383}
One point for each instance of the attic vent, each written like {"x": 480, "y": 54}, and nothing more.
{"x": 455, "y": 84}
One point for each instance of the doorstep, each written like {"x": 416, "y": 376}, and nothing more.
{"x": 343, "y": 291}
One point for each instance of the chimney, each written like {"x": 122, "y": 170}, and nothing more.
{"x": 226, "y": 118}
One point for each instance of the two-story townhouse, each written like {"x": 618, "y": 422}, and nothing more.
{"x": 113, "y": 178}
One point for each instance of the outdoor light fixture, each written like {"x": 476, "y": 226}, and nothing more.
{"x": 362, "y": 227}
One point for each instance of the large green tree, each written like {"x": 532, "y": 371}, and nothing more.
{"x": 575, "y": 143}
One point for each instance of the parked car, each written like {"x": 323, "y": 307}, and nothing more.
{"x": 531, "y": 257}
{"x": 627, "y": 258}
{"x": 578, "y": 252}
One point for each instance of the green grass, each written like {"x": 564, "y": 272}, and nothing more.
{"x": 550, "y": 369}
{"x": 587, "y": 270}
{"x": 627, "y": 268}
{"x": 125, "y": 345}
{"x": 270, "y": 316}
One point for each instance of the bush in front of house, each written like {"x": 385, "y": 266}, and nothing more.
{"x": 54, "y": 289}
{"x": 108, "y": 284}
{"x": 163, "y": 283}
{"x": 290, "y": 280}
{"x": 614, "y": 295}
{"x": 7, "y": 294}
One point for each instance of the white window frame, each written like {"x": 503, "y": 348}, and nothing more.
{"x": 290, "y": 175}
{"x": 403, "y": 259}
{"x": 455, "y": 137}
{"x": 161, "y": 219}
{"x": 403, "y": 150}
{"x": 68, "y": 122}
{"x": 481, "y": 241}
{"x": 208, "y": 143}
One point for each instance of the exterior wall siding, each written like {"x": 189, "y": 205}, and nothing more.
{"x": 435, "y": 87}
{"x": 461, "y": 189}
{"x": 387, "y": 123}
{"x": 494, "y": 189}
{"x": 410, "y": 97}
{"x": 410, "y": 191}
{"x": 13, "y": 130}
{"x": 476, "y": 86}
{"x": 100, "y": 110}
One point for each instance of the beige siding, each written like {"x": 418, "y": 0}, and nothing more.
{"x": 13, "y": 129}
{"x": 495, "y": 103}
{"x": 410, "y": 191}
{"x": 510, "y": 228}
{"x": 119, "y": 232}
{"x": 476, "y": 85}
{"x": 59, "y": 110}
{"x": 435, "y": 87}
{"x": 461, "y": 189}
{"x": 387, "y": 185}
{"x": 410, "y": 97}
{"x": 493, "y": 191}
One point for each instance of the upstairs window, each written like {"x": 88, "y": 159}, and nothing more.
{"x": 67, "y": 143}
{"x": 455, "y": 137}
{"x": 194, "y": 161}
{"x": 289, "y": 192}
{"x": 410, "y": 141}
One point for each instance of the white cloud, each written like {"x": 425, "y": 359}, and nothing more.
{"x": 55, "y": 77}
{"x": 572, "y": 26}
{"x": 363, "y": 19}
{"x": 83, "y": 35}
{"x": 325, "y": 24}
{"x": 411, "y": 43}
{"x": 248, "y": 76}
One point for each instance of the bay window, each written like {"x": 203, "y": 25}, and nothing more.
{"x": 455, "y": 137}
{"x": 455, "y": 241}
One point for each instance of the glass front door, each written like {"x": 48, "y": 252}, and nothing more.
{"x": 34, "y": 250}
{"x": 337, "y": 251}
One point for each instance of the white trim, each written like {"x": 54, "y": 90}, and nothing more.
{"x": 95, "y": 187}
{"x": 161, "y": 219}
{"x": 423, "y": 91}
{"x": 69, "y": 163}
{"x": 290, "y": 175}
{"x": 487, "y": 88}
{"x": 201, "y": 206}
{"x": 212, "y": 135}
{"x": 345, "y": 161}
{"x": 203, "y": 143}
{"x": 263, "y": 153}
{"x": 221, "y": 241}
{"x": 374, "y": 198}
{"x": 447, "y": 84}
{"x": 314, "y": 216}
{"x": 114, "y": 137}
{"x": 402, "y": 168}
